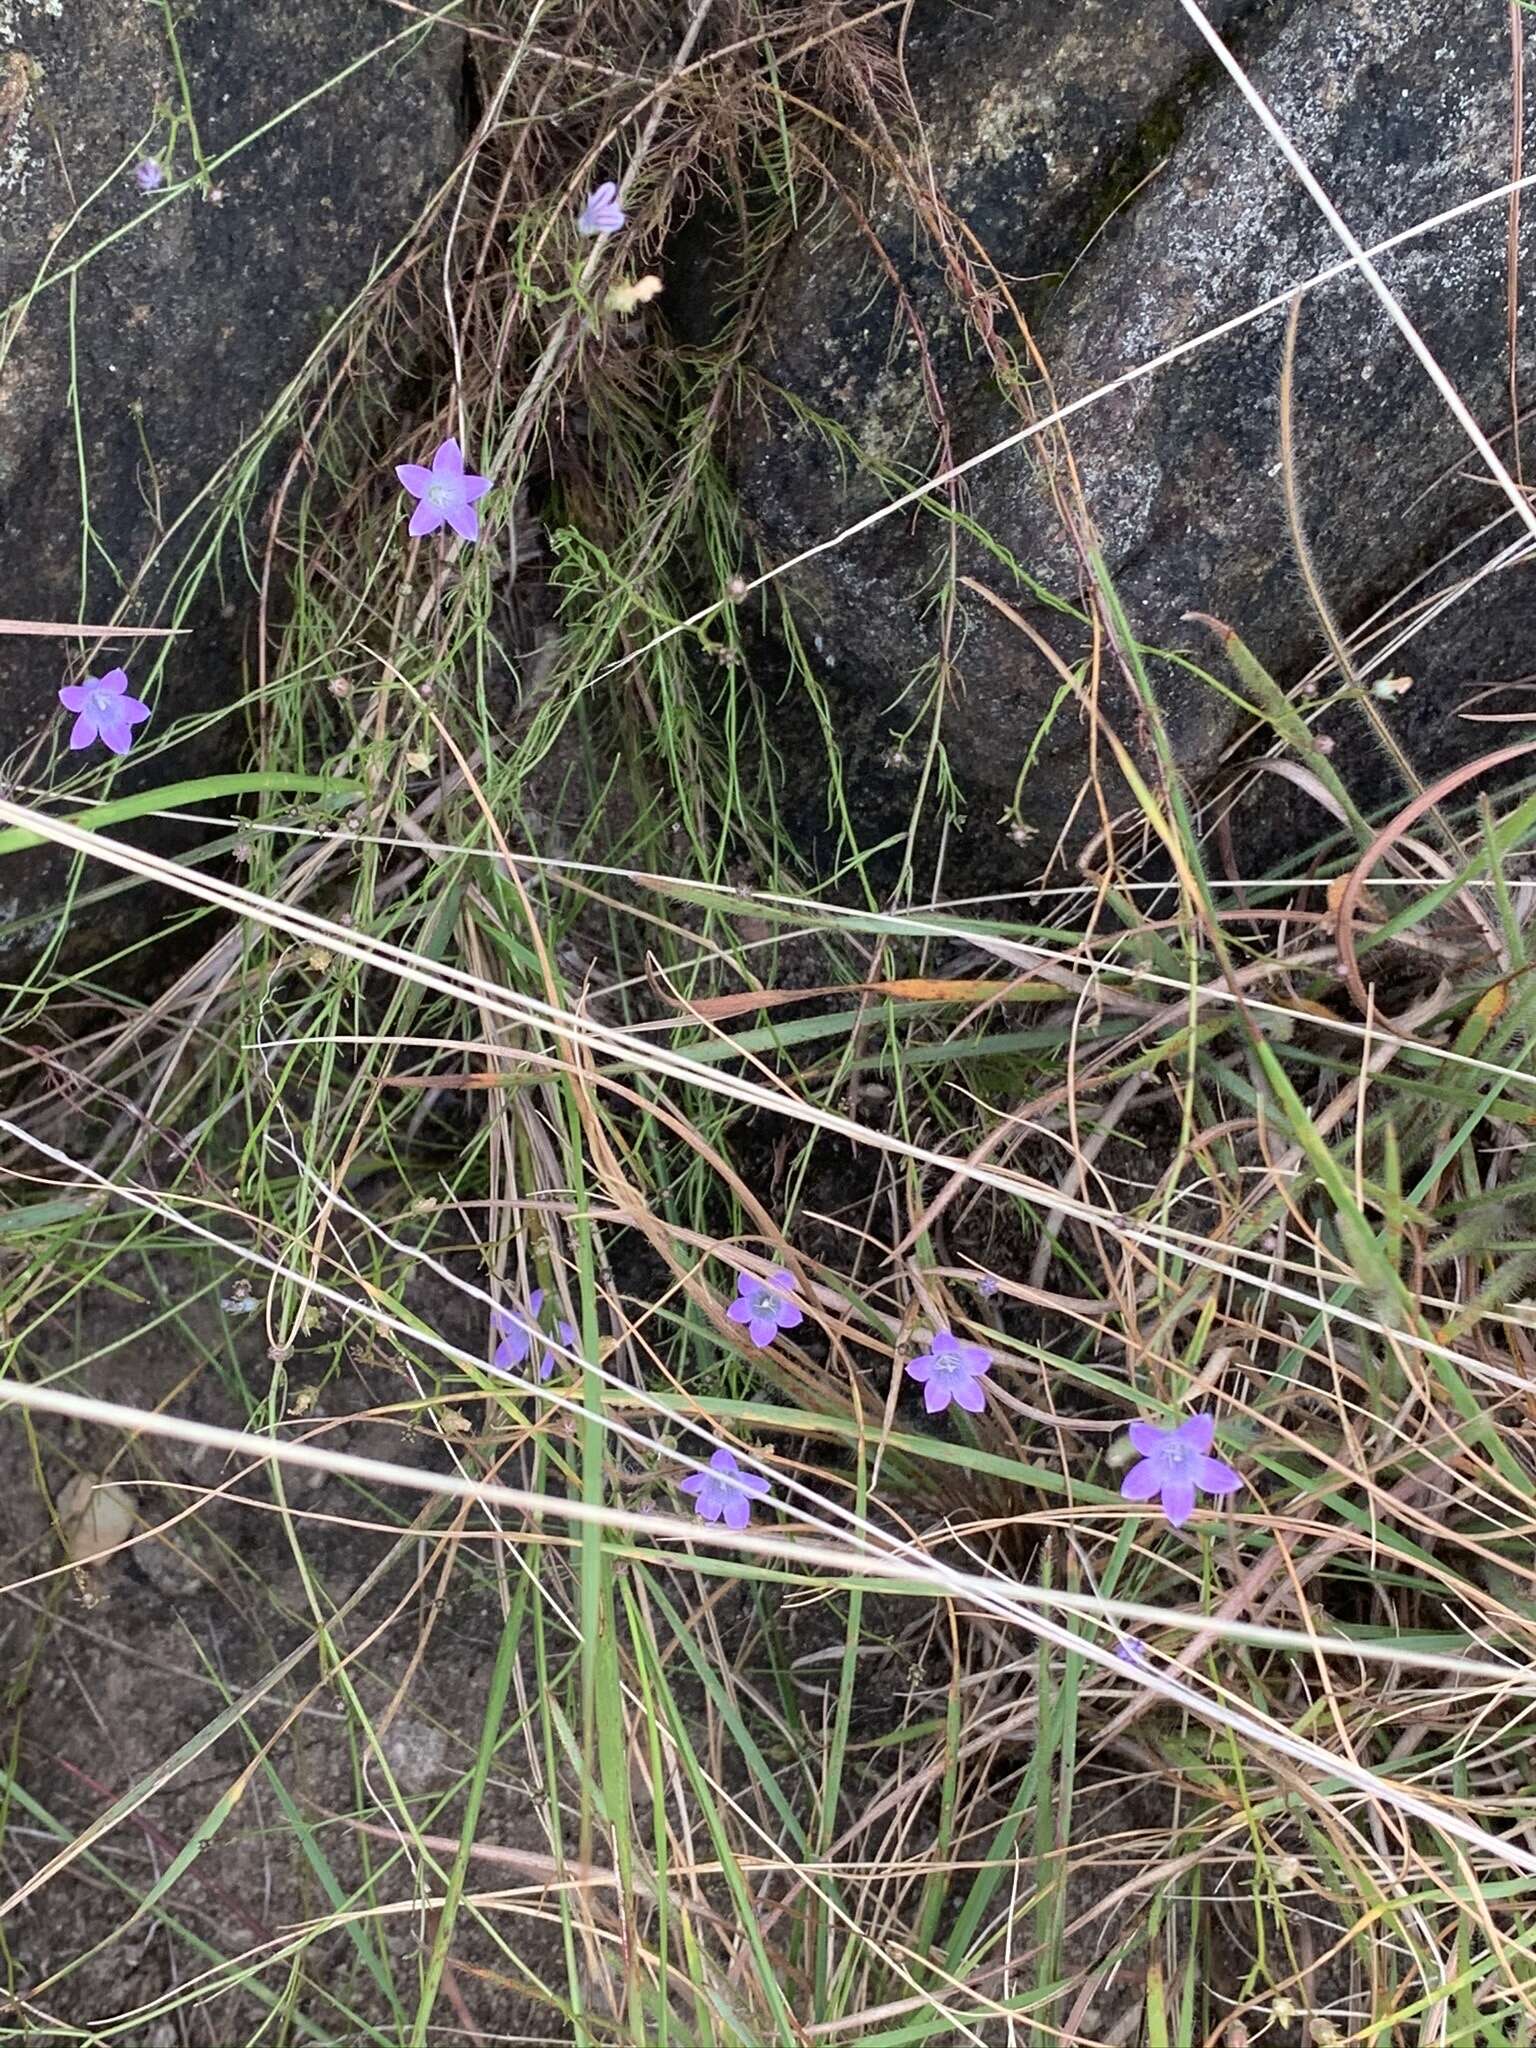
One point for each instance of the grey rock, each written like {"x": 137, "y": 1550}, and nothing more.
{"x": 1041, "y": 122}
{"x": 176, "y": 319}
{"x": 417, "y": 1753}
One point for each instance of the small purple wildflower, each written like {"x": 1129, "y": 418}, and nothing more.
{"x": 445, "y": 492}
{"x": 987, "y": 1285}
{"x": 516, "y": 1331}
{"x": 567, "y": 1336}
{"x": 725, "y": 1492}
{"x": 766, "y": 1306}
{"x": 1175, "y": 1464}
{"x": 602, "y": 214}
{"x": 1131, "y": 1651}
{"x": 103, "y": 711}
{"x": 518, "y": 1328}
{"x": 149, "y": 176}
{"x": 951, "y": 1370}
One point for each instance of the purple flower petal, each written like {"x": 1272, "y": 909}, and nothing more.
{"x": 104, "y": 711}
{"x": 1142, "y": 1482}
{"x": 724, "y": 1492}
{"x": 765, "y": 1306}
{"x": 951, "y": 1370}
{"x": 1198, "y": 1432}
{"x": 956, "y": 1355}
{"x": 445, "y": 493}
{"x": 1176, "y": 1466}
{"x": 1212, "y": 1476}
{"x": 1179, "y": 1501}
{"x": 516, "y": 1334}
{"x": 464, "y": 520}
{"x": 602, "y": 214}
{"x": 567, "y": 1336}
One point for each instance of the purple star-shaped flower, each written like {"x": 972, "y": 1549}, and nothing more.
{"x": 148, "y": 175}
{"x": 1176, "y": 1464}
{"x": 725, "y": 1492}
{"x": 766, "y": 1306}
{"x": 445, "y": 493}
{"x": 602, "y": 214}
{"x": 517, "y": 1331}
{"x": 103, "y": 711}
{"x": 951, "y": 1370}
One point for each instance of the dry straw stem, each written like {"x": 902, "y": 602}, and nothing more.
{"x": 586, "y": 1036}
{"x": 44, "y": 630}
{"x": 1003, "y": 1601}
{"x": 874, "y": 1543}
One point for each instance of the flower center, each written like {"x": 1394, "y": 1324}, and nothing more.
{"x": 440, "y": 496}
{"x": 765, "y": 1303}
{"x": 1177, "y": 1458}
{"x": 102, "y": 703}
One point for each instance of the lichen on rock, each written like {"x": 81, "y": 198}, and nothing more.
{"x": 1128, "y": 197}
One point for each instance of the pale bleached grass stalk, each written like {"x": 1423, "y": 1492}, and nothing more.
{"x": 39, "y": 630}
{"x": 557, "y": 864}
{"x": 910, "y": 926}
{"x": 926, "y": 1577}
{"x": 589, "y": 1036}
{"x": 877, "y": 1547}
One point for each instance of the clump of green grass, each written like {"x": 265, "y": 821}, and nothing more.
{"x": 489, "y": 993}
